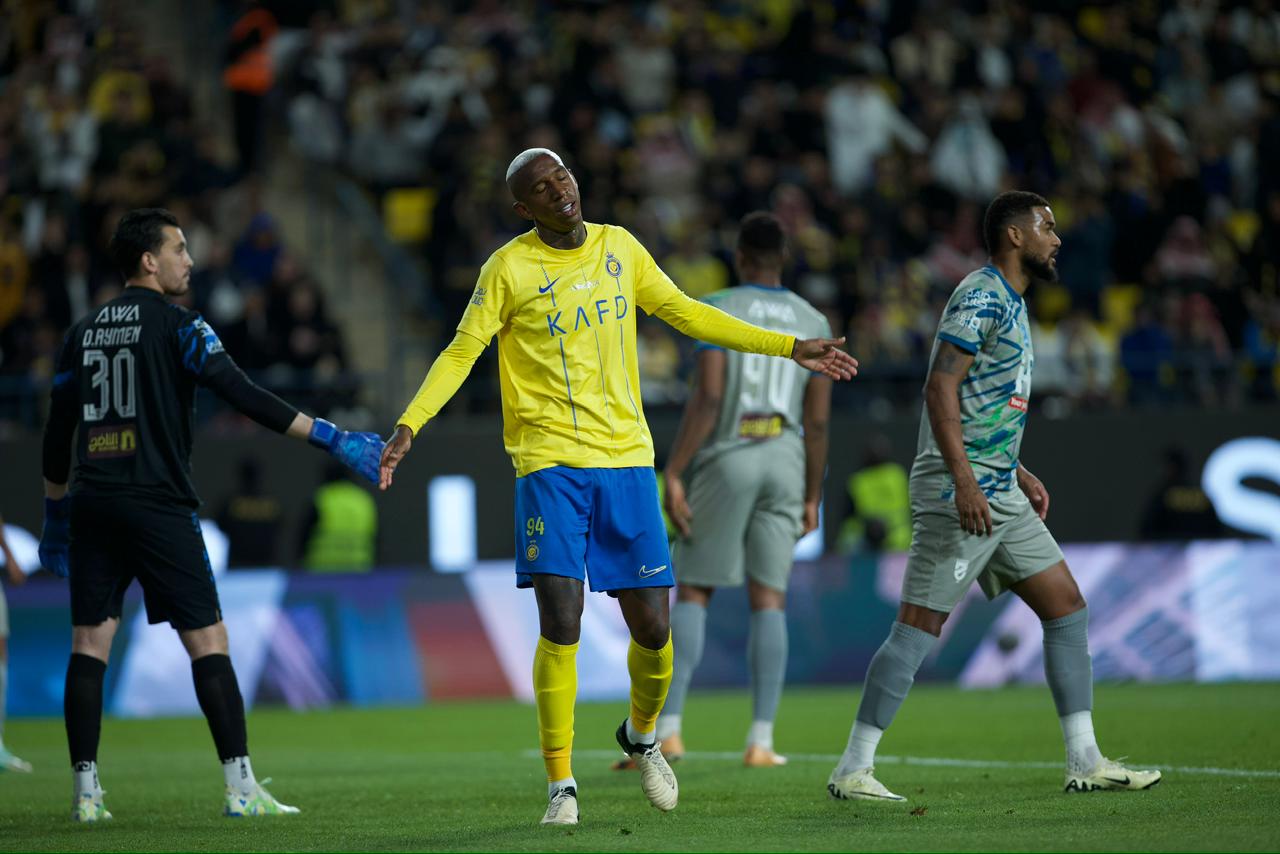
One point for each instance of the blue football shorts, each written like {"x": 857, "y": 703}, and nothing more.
{"x": 598, "y": 525}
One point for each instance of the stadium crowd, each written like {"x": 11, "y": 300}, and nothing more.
{"x": 877, "y": 131}
{"x": 92, "y": 123}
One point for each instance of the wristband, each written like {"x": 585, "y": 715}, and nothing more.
{"x": 323, "y": 434}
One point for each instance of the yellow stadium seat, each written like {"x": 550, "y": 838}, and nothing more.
{"x": 1118, "y": 304}
{"x": 406, "y": 213}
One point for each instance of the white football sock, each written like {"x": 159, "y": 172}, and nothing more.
{"x": 761, "y": 734}
{"x": 556, "y": 785}
{"x": 1082, "y": 747}
{"x": 640, "y": 738}
{"x": 238, "y": 773}
{"x": 668, "y": 725}
{"x": 86, "y": 777}
{"x": 861, "y": 751}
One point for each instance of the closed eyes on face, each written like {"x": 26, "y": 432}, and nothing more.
{"x": 544, "y": 185}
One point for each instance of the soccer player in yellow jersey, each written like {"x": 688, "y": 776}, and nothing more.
{"x": 562, "y": 299}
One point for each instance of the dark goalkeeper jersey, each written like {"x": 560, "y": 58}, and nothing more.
{"x": 127, "y": 376}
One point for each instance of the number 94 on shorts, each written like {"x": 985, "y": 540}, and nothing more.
{"x": 602, "y": 526}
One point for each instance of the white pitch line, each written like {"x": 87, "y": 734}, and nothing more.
{"x": 886, "y": 759}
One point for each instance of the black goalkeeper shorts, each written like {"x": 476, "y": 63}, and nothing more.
{"x": 115, "y": 540}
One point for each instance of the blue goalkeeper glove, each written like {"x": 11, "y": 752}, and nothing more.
{"x": 360, "y": 452}
{"x": 55, "y": 539}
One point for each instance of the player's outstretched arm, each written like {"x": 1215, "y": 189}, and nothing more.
{"x": 447, "y": 373}
{"x": 358, "y": 451}
{"x": 942, "y": 400}
{"x": 708, "y": 323}
{"x": 824, "y": 356}
{"x": 204, "y": 357}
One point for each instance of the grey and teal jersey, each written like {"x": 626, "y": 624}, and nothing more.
{"x": 988, "y": 318}
{"x": 763, "y": 395}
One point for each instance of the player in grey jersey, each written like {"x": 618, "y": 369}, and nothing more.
{"x": 978, "y": 515}
{"x": 753, "y": 442}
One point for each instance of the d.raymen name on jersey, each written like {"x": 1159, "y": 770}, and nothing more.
{"x": 601, "y": 310}
{"x": 112, "y": 336}
{"x": 115, "y": 336}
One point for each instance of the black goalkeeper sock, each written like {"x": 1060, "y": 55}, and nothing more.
{"x": 82, "y": 707}
{"x": 220, "y": 700}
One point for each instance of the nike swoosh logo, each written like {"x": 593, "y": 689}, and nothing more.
{"x": 1123, "y": 782}
{"x": 551, "y": 284}
{"x": 645, "y": 573}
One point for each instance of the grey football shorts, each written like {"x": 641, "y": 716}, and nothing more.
{"x": 748, "y": 512}
{"x": 944, "y": 560}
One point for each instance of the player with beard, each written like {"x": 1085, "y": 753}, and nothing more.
{"x": 979, "y": 515}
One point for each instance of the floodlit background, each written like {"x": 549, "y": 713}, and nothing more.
{"x": 338, "y": 167}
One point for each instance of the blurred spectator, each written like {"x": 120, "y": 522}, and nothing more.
{"x": 15, "y": 272}
{"x": 878, "y": 139}
{"x": 1146, "y": 353}
{"x": 1179, "y": 509}
{"x": 1204, "y": 352}
{"x": 1262, "y": 348}
{"x": 248, "y": 77}
{"x": 250, "y": 518}
{"x": 877, "y": 134}
{"x": 340, "y": 532}
{"x": 92, "y": 124}
{"x": 694, "y": 268}
{"x": 312, "y": 340}
{"x": 50, "y": 273}
{"x": 1085, "y": 267}
{"x": 862, "y": 123}
{"x": 258, "y": 249}
{"x": 1183, "y": 258}
{"x": 64, "y": 136}
{"x": 967, "y": 158}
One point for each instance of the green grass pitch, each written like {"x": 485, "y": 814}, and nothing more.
{"x": 467, "y": 777}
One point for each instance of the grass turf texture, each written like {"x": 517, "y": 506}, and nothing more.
{"x": 463, "y": 776}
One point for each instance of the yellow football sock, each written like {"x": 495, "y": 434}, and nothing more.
{"x": 650, "y": 671}
{"x": 555, "y": 685}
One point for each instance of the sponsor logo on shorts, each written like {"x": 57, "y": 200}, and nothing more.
{"x": 1018, "y": 403}
{"x": 645, "y": 572}
{"x": 113, "y": 441}
{"x": 962, "y": 569}
{"x": 760, "y": 426}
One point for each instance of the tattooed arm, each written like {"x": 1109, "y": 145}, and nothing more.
{"x": 942, "y": 400}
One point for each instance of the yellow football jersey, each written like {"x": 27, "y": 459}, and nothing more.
{"x": 566, "y": 327}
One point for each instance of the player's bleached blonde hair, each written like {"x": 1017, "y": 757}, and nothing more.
{"x": 526, "y": 157}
